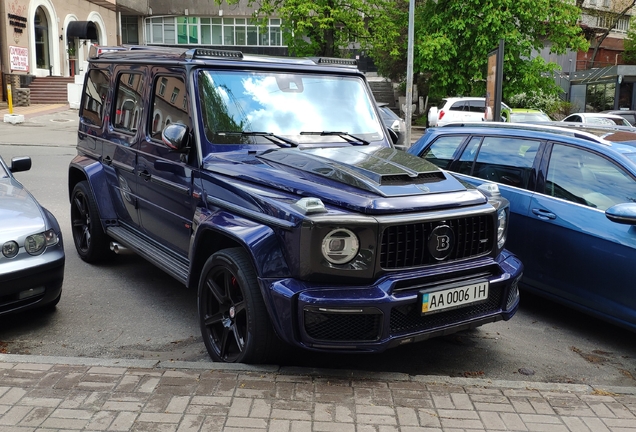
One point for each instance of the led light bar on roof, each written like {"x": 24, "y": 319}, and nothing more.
{"x": 208, "y": 53}
{"x": 337, "y": 61}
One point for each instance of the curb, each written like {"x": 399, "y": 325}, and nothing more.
{"x": 323, "y": 373}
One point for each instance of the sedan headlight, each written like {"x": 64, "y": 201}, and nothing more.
{"x": 340, "y": 246}
{"x": 10, "y": 249}
{"x": 502, "y": 227}
{"x": 35, "y": 244}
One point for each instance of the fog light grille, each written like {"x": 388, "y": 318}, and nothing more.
{"x": 333, "y": 325}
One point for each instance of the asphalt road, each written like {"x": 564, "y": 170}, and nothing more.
{"x": 130, "y": 309}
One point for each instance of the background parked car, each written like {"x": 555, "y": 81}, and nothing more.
{"x": 32, "y": 258}
{"x": 392, "y": 121}
{"x": 521, "y": 115}
{"x": 459, "y": 109}
{"x": 597, "y": 119}
{"x": 628, "y": 115}
{"x": 573, "y": 205}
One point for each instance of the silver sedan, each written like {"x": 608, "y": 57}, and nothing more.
{"x": 32, "y": 258}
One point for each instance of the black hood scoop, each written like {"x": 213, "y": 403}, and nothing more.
{"x": 375, "y": 169}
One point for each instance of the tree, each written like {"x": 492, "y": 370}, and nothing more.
{"x": 629, "y": 55}
{"x": 330, "y": 27}
{"x": 454, "y": 37}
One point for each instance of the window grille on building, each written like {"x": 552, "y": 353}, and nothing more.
{"x": 188, "y": 30}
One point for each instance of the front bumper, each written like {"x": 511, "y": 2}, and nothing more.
{"x": 386, "y": 314}
{"x": 35, "y": 282}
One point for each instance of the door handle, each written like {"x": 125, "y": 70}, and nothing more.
{"x": 543, "y": 214}
{"x": 108, "y": 161}
{"x": 145, "y": 175}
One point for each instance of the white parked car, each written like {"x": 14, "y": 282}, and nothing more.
{"x": 597, "y": 119}
{"x": 459, "y": 109}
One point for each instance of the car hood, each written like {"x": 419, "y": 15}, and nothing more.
{"x": 369, "y": 179}
{"x": 20, "y": 214}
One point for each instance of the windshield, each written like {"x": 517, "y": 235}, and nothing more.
{"x": 528, "y": 117}
{"x": 236, "y": 104}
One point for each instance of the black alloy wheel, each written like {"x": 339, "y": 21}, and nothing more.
{"x": 88, "y": 235}
{"x": 234, "y": 321}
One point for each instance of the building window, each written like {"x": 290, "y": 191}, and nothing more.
{"x": 187, "y": 30}
{"x": 162, "y": 86}
{"x": 129, "y": 30}
{"x": 175, "y": 93}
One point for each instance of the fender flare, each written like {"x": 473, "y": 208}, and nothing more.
{"x": 85, "y": 168}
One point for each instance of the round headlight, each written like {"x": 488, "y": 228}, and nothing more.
{"x": 34, "y": 244}
{"x": 340, "y": 246}
{"x": 502, "y": 222}
{"x": 10, "y": 249}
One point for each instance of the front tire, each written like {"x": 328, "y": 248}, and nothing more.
{"x": 90, "y": 240}
{"x": 234, "y": 322}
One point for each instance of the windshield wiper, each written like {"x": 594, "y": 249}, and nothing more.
{"x": 278, "y": 140}
{"x": 344, "y": 135}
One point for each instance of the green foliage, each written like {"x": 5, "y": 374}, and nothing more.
{"x": 330, "y": 27}
{"x": 629, "y": 56}
{"x": 453, "y": 39}
{"x": 550, "y": 104}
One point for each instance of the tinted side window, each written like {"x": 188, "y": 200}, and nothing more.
{"x": 477, "y": 106}
{"x": 128, "y": 104}
{"x": 169, "y": 104}
{"x": 457, "y": 106}
{"x": 573, "y": 119}
{"x": 586, "y": 178}
{"x": 467, "y": 158}
{"x": 506, "y": 160}
{"x": 441, "y": 152}
{"x": 95, "y": 91}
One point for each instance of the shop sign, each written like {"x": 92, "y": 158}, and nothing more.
{"x": 19, "y": 58}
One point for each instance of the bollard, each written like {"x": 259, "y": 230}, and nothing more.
{"x": 9, "y": 98}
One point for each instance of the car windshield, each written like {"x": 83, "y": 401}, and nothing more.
{"x": 528, "y": 117}
{"x": 242, "y": 106}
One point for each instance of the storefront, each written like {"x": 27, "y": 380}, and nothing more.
{"x": 608, "y": 88}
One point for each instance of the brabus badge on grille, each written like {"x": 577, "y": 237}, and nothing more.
{"x": 441, "y": 242}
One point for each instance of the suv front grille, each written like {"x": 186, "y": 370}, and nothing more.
{"x": 406, "y": 319}
{"x": 407, "y": 245}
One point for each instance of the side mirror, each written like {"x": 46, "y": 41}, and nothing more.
{"x": 176, "y": 137}
{"x": 624, "y": 213}
{"x": 18, "y": 164}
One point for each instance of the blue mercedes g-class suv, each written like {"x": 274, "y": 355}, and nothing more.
{"x": 271, "y": 186}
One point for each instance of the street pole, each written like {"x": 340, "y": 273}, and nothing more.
{"x": 409, "y": 75}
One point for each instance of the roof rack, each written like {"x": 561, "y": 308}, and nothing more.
{"x": 198, "y": 53}
{"x": 562, "y": 129}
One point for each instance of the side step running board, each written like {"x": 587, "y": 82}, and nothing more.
{"x": 171, "y": 263}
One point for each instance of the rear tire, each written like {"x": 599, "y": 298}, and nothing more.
{"x": 234, "y": 321}
{"x": 90, "y": 240}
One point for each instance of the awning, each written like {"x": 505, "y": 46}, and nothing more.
{"x": 81, "y": 30}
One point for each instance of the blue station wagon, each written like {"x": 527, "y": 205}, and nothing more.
{"x": 271, "y": 186}
{"x": 572, "y": 193}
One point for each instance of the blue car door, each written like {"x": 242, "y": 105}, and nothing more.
{"x": 166, "y": 205}
{"x": 573, "y": 251}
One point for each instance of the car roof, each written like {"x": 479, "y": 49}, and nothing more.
{"x": 590, "y": 114}
{"x": 525, "y": 110}
{"x": 146, "y": 54}
{"x": 622, "y": 140}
